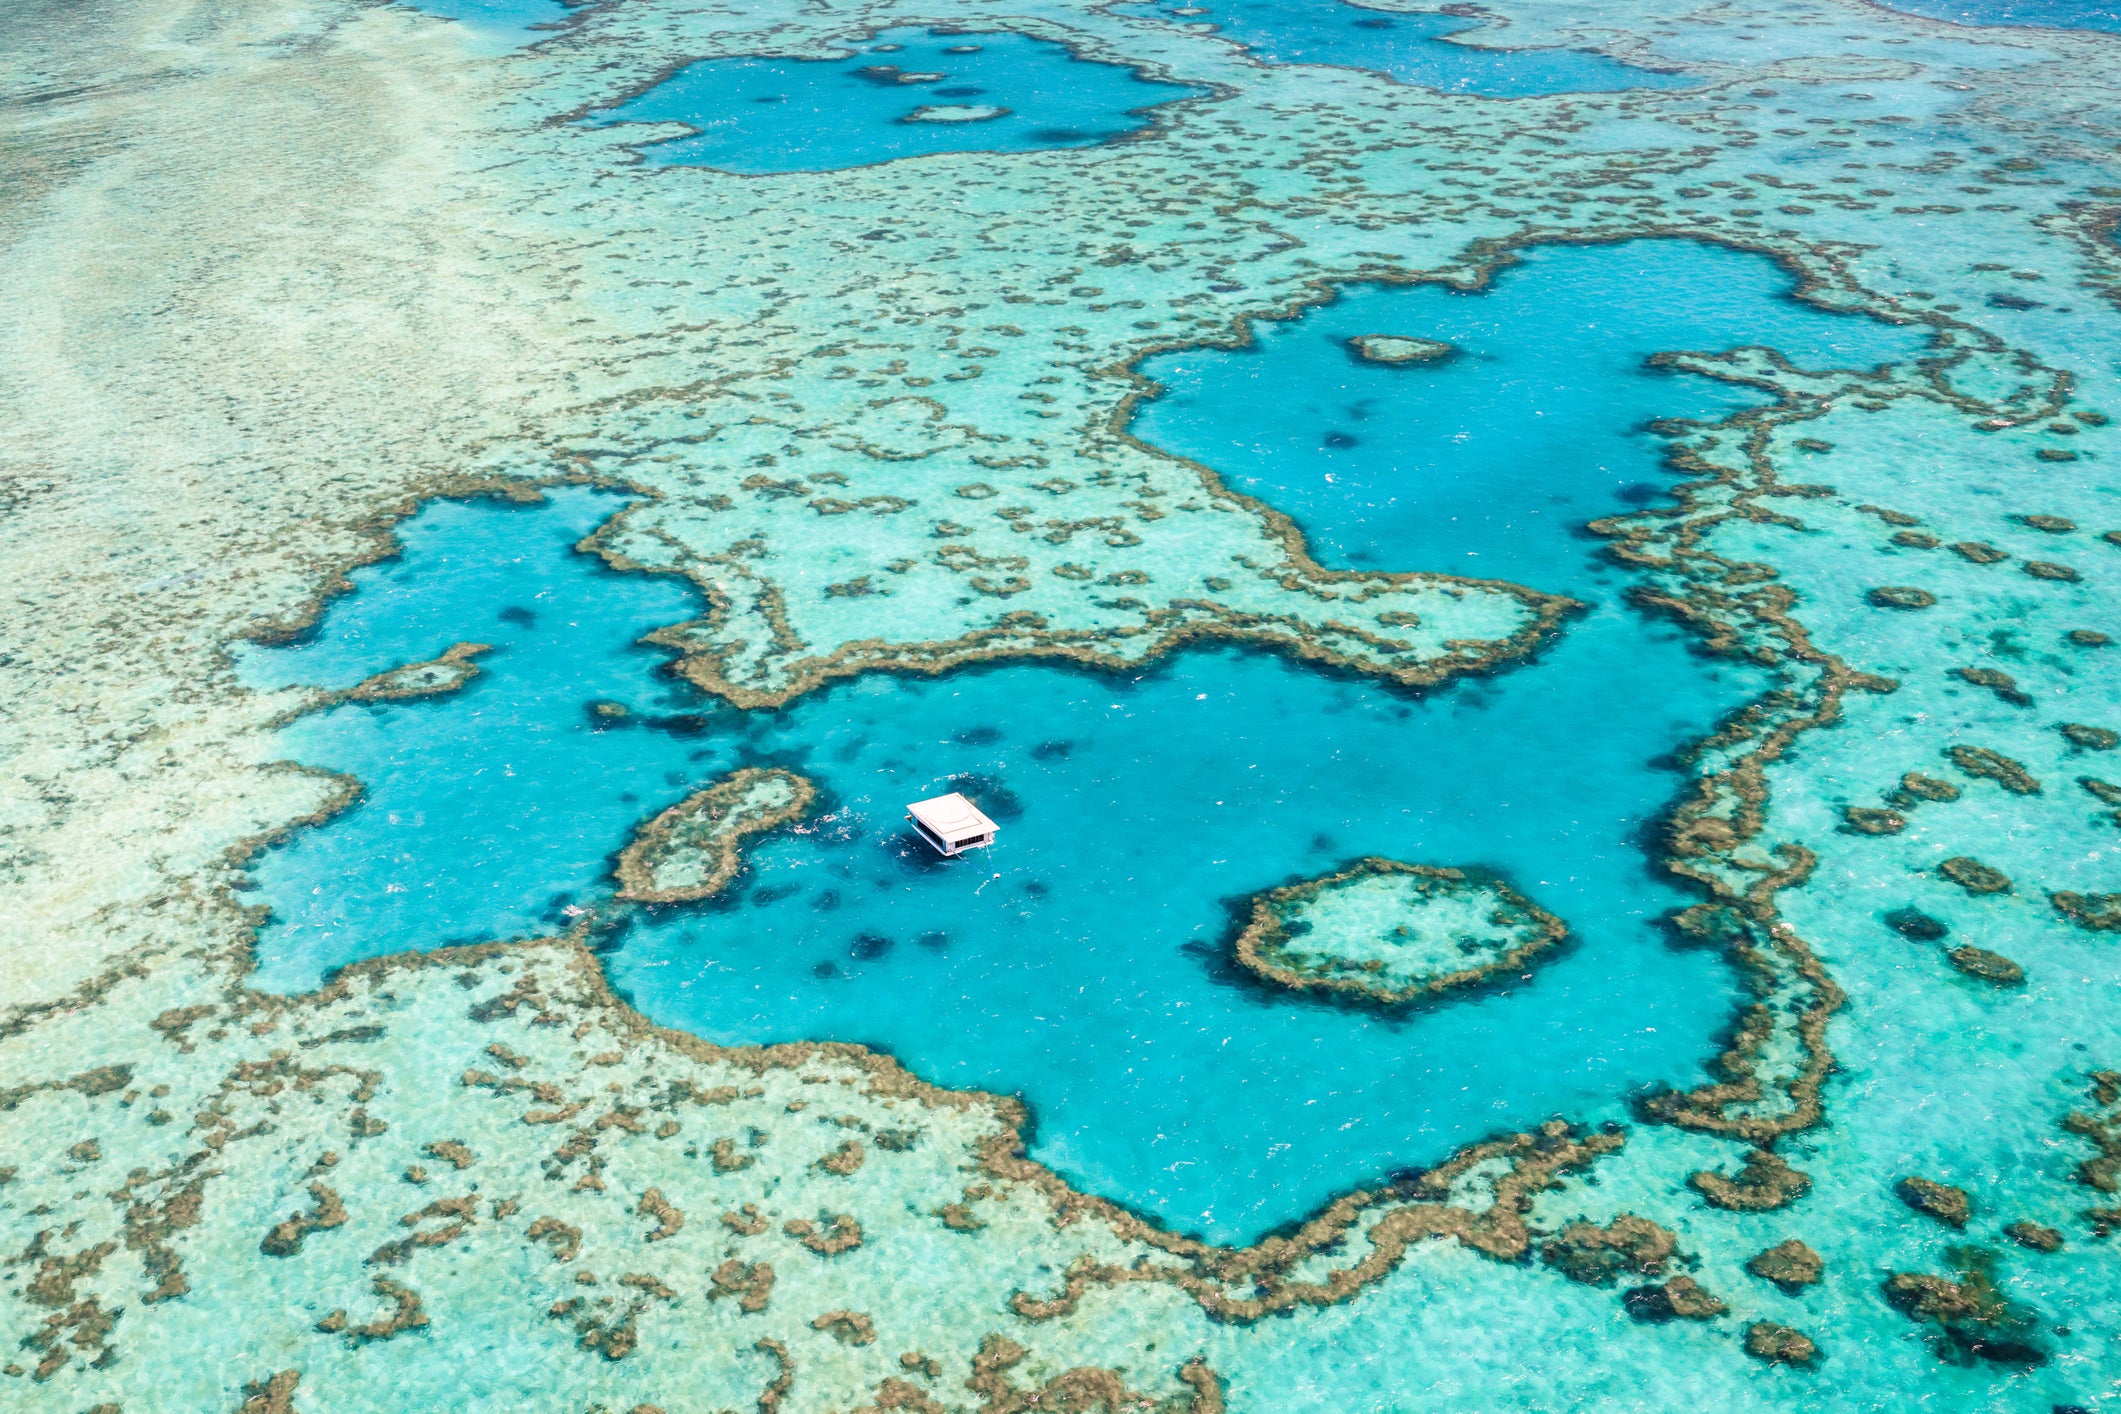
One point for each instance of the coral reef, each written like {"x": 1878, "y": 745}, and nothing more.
{"x": 692, "y": 850}
{"x": 886, "y": 432}
{"x": 1599, "y": 1256}
{"x": 1974, "y": 876}
{"x": 1778, "y": 1344}
{"x": 1976, "y": 1319}
{"x": 2096, "y": 913}
{"x": 1390, "y": 932}
{"x": 1765, "y": 1183}
{"x": 1789, "y": 1264}
{"x": 1392, "y": 348}
{"x": 452, "y": 670}
{"x": 1986, "y": 965}
{"x": 1941, "y": 1201}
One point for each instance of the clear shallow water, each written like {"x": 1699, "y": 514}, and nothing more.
{"x": 1081, "y": 963}
{"x": 500, "y": 23}
{"x": 1411, "y": 48}
{"x": 1018, "y": 94}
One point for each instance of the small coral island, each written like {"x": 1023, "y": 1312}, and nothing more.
{"x": 1393, "y": 348}
{"x": 435, "y": 677}
{"x": 693, "y": 849}
{"x": 1391, "y": 932}
{"x": 956, "y": 113}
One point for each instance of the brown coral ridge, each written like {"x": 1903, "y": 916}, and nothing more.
{"x": 1681, "y": 1298}
{"x": 272, "y": 1395}
{"x": 1737, "y": 609}
{"x": 1243, "y": 1285}
{"x": 406, "y": 1312}
{"x": 1790, "y": 1264}
{"x": 713, "y": 815}
{"x": 750, "y": 1282}
{"x": 1900, "y": 596}
{"x": 2102, "y": 1126}
{"x": 2095, "y": 913}
{"x": 1600, "y": 1255}
{"x": 1997, "y": 681}
{"x": 847, "y": 1327}
{"x": 1765, "y": 1183}
{"x": 1779, "y": 1345}
{"x": 1915, "y": 787}
{"x": 1975, "y": 1320}
{"x": 1932, "y": 1199}
{"x": 1870, "y": 820}
{"x": 2089, "y": 738}
{"x": 1974, "y": 876}
{"x": 1991, "y": 967}
{"x": 2034, "y": 1237}
{"x": 1265, "y": 935}
{"x": 1985, "y": 764}
{"x": 1023, "y": 636}
{"x": 1086, "y": 1388}
{"x": 286, "y": 1238}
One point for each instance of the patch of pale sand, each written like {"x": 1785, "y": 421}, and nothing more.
{"x": 253, "y": 299}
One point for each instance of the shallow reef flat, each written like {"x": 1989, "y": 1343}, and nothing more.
{"x": 301, "y": 295}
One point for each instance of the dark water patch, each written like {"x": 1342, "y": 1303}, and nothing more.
{"x": 1008, "y": 93}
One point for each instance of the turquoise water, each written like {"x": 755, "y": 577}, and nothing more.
{"x": 2044, "y": 14}
{"x": 1485, "y": 461}
{"x": 486, "y": 813}
{"x": 1081, "y": 964}
{"x": 503, "y": 23}
{"x": 761, "y": 116}
{"x": 1088, "y": 975}
{"x": 1409, "y": 47}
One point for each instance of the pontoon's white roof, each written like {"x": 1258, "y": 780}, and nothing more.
{"x": 951, "y": 816}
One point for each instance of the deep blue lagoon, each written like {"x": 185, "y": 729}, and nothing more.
{"x": 1411, "y": 47}
{"x": 1486, "y": 459}
{"x": 1081, "y": 964}
{"x": 901, "y": 93}
{"x": 2036, "y": 14}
